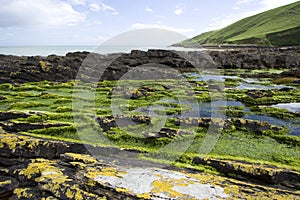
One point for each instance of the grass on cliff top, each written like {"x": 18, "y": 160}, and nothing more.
{"x": 53, "y": 104}
{"x": 278, "y": 27}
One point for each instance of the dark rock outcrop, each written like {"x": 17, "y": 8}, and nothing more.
{"x": 121, "y": 121}
{"x": 4, "y": 116}
{"x": 255, "y": 172}
{"x": 256, "y": 58}
{"x": 259, "y": 93}
{"x": 292, "y": 73}
{"x": 253, "y": 126}
{"x": 18, "y": 127}
{"x": 95, "y": 67}
{"x": 7, "y": 125}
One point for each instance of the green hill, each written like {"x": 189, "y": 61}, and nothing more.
{"x": 276, "y": 27}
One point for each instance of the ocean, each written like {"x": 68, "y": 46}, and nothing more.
{"x": 63, "y": 50}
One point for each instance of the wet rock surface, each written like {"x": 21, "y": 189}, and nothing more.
{"x": 23, "y": 69}
{"x": 121, "y": 121}
{"x": 108, "y": 122}
{"x": 229, "y": 124}
{"x": 57, "y": 170}
{"x": 8, "y": 125}
{"x": 255, "y": 172}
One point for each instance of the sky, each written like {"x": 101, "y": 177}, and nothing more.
{"x": 92, "y": 22}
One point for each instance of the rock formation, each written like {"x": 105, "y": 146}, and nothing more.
{"x": 23, "y": 69}
{"x": 32, "y": 168}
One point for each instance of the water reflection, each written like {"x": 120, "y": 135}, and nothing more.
{"x": 292, "y": 107}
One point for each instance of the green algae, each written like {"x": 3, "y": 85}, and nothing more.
{"x": 53, "y": 101}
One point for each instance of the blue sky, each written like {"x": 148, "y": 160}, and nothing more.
{"x": 91, "y": 22}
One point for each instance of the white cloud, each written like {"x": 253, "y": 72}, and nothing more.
{"x": 160, "y": 26}
{"x": 77, "y": 2}
{"x": 104, "y": 8}
{"x": 270, "y": 4}
{"x": 38, "y": 13}
{"x": 242, "y": 2}
{"x": 179, "y": 9}
{"x": 94, "y": 7}
{"x": 147, "y": 9}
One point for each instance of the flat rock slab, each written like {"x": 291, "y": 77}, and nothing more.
{"x": 160, "y": 184}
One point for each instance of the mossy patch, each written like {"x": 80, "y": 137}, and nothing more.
{"x": 53, "y": 103}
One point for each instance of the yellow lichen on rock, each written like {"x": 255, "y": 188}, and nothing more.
{"x": 81, "y": 157}
{"x": 125, "y": 190}
{"x": 6, "y": 182}
{"x": 254, "y": 169}
{"x": 79, "y": 194}
{"x": 107, "y": 171}
{"x": 144, "y": 196}
{"x": 49, "y": 198}
{"x": 91, "y": 182}
{"x": 45, "y": 66}
{"x": 1, "y": 130}
{"x": 165, "y": 186}
{"x": 22, "y": 193}
{"x": 33, "y": 144}
{"x": 45, "y": 169}
{"x": 205, "y": 178}
{"x": 69, "y": 193}
{"x": 10, "y": 141}
{"x": 78, "y": 165}
{"x": 45, "y": 143}
{"x": 111, "y": 171}
{"x": 233, "y": 190}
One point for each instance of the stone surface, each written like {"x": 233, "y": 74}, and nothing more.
{"x": 263, "y": 173}
{"x": 233, "y": 123}
{"x": 257, "y": 58}
{"x": 108, "y": 122}
{"x": 24, "y": 69}
{"x": 32, "y": 168}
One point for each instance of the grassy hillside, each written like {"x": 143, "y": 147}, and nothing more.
{"x": 276, "y": 27}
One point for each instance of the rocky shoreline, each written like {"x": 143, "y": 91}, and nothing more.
{"x": 37, "y": 168}
{"x": 15, "y": 69}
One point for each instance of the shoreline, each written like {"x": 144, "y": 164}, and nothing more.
{"x": 251, "y": 158}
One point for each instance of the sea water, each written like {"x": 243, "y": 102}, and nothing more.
{"x": 63, "y": 50}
